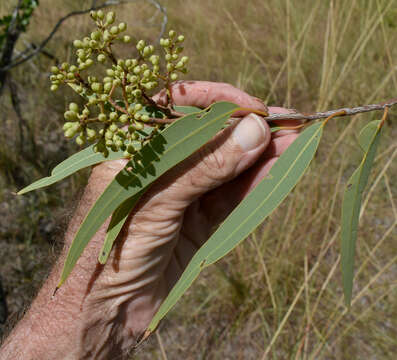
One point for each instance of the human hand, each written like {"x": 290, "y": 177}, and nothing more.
{"x": 180, "y": 211}
{"x": 101, "y": 311}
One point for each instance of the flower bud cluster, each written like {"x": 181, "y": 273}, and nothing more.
{"x": 173, "y": 49}
{"x": 115, "y": 109}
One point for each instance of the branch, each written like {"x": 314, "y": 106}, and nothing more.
{"x": 25, "y": 57}
{"x": 326, "y": 114}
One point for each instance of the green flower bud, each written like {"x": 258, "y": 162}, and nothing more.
{"x": 114, "y": 30}
{"x": 123, "y": 118}
{"x": 86, "y": 42}
{"x": 78, "y": 44}
{"x": 107, "y": 87}
{"x": 138, "y": 107}
{"x": 174, "y": 77}
{"x": 53, "y": 78}
{"x": 165, "y": 43}
{"x": 107, "y": 36}
{"x": 134, "y": 135}
{"x": 86, "y": 112}
{"x": 113, "y": 127}
{"x": 138, "y": 126}
{"x": 101, "y": 58}
{"x": 154, "y": 59}
{"x": 110, "y": 17}
{"x": 175, "y": 56}
{"x": 70, "y": 115}
{"x": 69, "y": 133}
{"x": 122, "y": 26}
{"x": 146, "y": 74}
{"x": 81, "y": 54}
{"x": 137, "y": 93}
{"x": 100, "y": 14}
{"x": 120, "y": 63}
{"x": 97, "y": 87}
{"x": 104, "y": 97}
{"x": 181, "y": 38}
{"x": 116, "y": 82}
{"x": 113, "y": 116}
{"x": 102, "y": 117}
{"x": 140, "y": 45}
{"x": 74, "y": 107}
{"x": 110, "y": 72}
{"x": 172, "y": 34}
{"x": 109, "y": 142}
{"x": 67, "y": 125}
{"x": 93, "y": 44}
{"x": 80, "y": 140}
{"x": 126, "y": 39}
{"x": 109, "y": 135}
{"x": 70, "y": 76}
{"x": 119, "y": 143}
{"x": 60, "y": 76}
{"x": 145, "y": 118}
{"x": 137, "y": 116}
{"x": 54, "y": 70}
{"x": 156, "y": 68}
{"x": 168, "y": 57}
{"x": 88, "y": 63}
{"x": 170, "y": 67}
{"x": 137, "y": 70}
{"x": 185, "y": 59}
{"x": 73, "y": 68}
{"x": 93, "y": 14}
{"x": 129, "y": 89}
{"x": 179, "y": 65}
{"x": 91, "y": 134}
{"x": 95, "y": 35}
{"x": 179, "y": 49}
{"x": 148, "y": 50}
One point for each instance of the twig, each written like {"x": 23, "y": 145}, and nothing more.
{"x": 25, "y": 57}
{"x": 326, "y": 114}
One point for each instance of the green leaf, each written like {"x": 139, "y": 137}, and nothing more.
{"x": 250, "y": 213}
{"x": 188, "y": 109}
{"x": 120, "y": 215}
{"x": 76, "y": 162}
{"x": 172, "y": 145}
{"x": 368, "y": 140}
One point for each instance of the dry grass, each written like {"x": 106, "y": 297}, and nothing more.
{"x": 278, "y": 295}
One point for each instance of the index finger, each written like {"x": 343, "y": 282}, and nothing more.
{"x": 204, "y": 93}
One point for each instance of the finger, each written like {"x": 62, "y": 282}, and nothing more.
{"x": 204, "y": 93}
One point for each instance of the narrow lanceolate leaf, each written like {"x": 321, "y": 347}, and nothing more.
{"x": 174, "y": 144}
{"x": 368, "y": 139}
{"x": 76, "y": 162}
{"x": 259, "y": 204}
{"x": 120, "y": 215}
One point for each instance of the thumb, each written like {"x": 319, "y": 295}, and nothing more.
{"x": 226, "y": 156}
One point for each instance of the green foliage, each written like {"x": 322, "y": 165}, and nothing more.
{"x": 259, "y": 204}
{"x": 22, "y": 19}
{"x": 368, "y": 141}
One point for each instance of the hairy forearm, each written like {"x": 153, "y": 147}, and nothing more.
{"x": 73, "y": 324}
